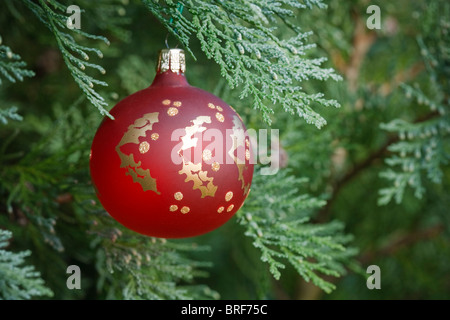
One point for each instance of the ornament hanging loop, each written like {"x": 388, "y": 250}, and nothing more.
{"x": 180, "y": 7}
{"x": 165, "y": 41}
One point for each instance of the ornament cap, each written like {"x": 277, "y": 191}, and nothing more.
{"x": 171, "y": 59}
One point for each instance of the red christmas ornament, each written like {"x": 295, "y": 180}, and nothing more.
{"x": 176, "y": 161}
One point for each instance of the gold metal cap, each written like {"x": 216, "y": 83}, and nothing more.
{"x": 171, "y": 59}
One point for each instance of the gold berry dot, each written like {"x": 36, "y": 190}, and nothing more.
{"x": 177, "y": 103}
{"x": 185, "y": 210}
{"x": 144, "y": 147}
{"x": 211, "y": 105}
{"x": 228, "y": 196}
{"x": 166, "y": 102}
{"x": 247, "y": 143}
{"x": 219, "y": 108}
{"x": 220, "y": 209}
{"x": 230, "y": 207}
{"x": 220, "y": 117}
{"x": 155, "y": 136}
{"x": 206, "y": 155}
{"x": 173, "y": 208}
{"x": 215, "y": 166}
{"x": 247, "y": 154}
{"x": 172, "y": 111}
{"x": 178, "y": 195}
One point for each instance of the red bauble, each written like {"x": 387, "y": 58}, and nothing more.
{"x": 176, "y": 161}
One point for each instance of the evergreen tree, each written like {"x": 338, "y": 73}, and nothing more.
{"x": 364, "y": 147}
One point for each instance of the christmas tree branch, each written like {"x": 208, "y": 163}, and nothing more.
{"x": 10, "y": 113}
{"x": 11, "y": 65}
{"x": 281, "y": 231}
{"x": 11, "y": 69}
{"x": 71, "y": 50}
{"x": 423, "y": 146}
{"x": 380, "y": 153}
{"x": 33, "y": 180}
{"x": 237, "y": 35}
{"x": 18, "y": 281}
{"x": 109, "y": 15}
{"x": 143, "y": 267}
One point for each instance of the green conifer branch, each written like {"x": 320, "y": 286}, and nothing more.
{"x": 147, "y": 268}
{"x": 11, "y": 65}
{"x": 109, "y": 15}
{"x": 237, "y": 35}
{"x": 32, "y": 182}
{"x": 10, "y": 113}
{"x": 12, "y": 68}
{"x": 276, "y": 218}
{"x": 56, "y": 21}
{"x": 423, "y": 146}
{"x": 17, "y": 281}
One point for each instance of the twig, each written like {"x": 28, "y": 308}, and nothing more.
{"x": 324, "y": 214}
{"x": 401, "y": 242}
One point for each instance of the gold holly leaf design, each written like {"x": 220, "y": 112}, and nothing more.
{"x": 138, "y": 129}
{"x": 193, "y": 171}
